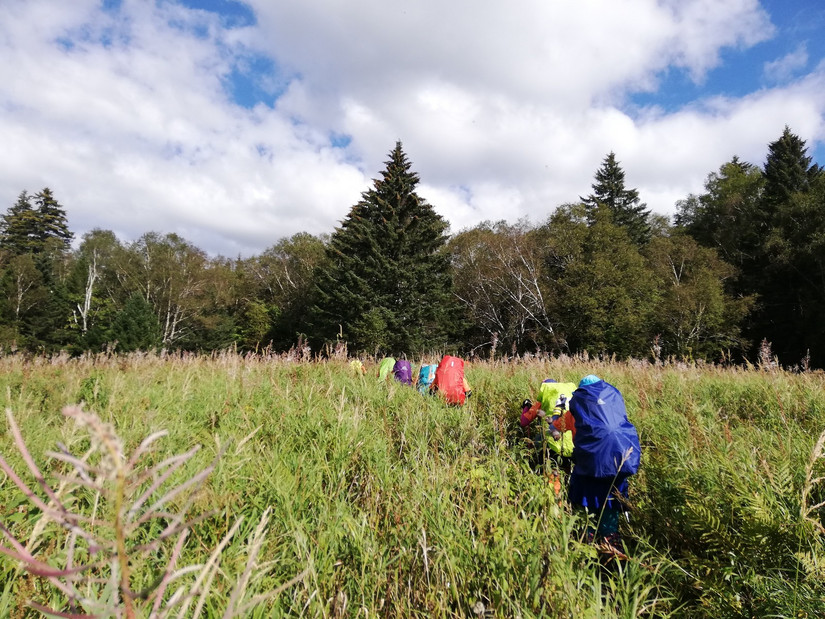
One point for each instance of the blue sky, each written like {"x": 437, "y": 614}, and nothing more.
{"x": 235, "y": 123}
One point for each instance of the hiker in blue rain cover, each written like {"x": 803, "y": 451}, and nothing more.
{"x": 606, "y": 453}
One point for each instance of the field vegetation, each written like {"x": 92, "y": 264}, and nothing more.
{"x": 338, "y": 496}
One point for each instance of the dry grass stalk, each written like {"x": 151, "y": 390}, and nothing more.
{"x": 809, "y": 511}
{"x": 98, "y": 554}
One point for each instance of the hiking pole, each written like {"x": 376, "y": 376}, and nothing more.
{"x": 543, "y": 447}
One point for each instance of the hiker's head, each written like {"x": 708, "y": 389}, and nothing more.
{"x": 549, "y": 380}
{"x": 589, "y": 380}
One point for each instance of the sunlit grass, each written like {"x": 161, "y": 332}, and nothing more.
{"x": 391, "y": 503}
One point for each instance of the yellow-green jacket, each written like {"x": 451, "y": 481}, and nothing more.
{"x": 555, "y": 397}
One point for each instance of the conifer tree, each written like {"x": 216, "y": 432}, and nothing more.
{"x": 42, "y": 234}
{"x": 136, "y": 327}
{"x": 624, "y": 204}
{"x": 788, "y": 169}
{"x": 786, "y": 274}
{"x": 31, "y": 229}
{"x": 387, "y": 286}
{"x": 51, "y": 219}
{"x": 18, "y": 227}
{"x": 792, "y": 305}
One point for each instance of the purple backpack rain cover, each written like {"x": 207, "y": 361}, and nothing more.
{"x": 403, "y": 371}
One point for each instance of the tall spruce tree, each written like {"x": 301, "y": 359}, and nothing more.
{"x": 785, "y": 275}
{"x": 788, "y": 169}
{"x": 51, "y": 219}
{"x": 41, "y": 233}
{"x": 28, "y": 229}
{"x": 387, "y": 286}
{"x": 627, "y": 210}
{"x": 18, "y": 227}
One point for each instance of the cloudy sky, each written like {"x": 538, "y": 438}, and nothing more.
{"x": 235, "y": 123}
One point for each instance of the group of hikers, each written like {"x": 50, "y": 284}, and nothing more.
{"x": 588, "y": 437}
{"x": 445, "y": 378}
{"x": 579, "y": 431}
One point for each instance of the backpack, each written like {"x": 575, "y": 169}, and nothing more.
{"x": 604, "y": 436}
{"x": 403, "y": 371}
{"x": 426, "y": 376}
{"x": 385, "y": 367}
{"x": 549, "y": 394}
{"x": 449, "y": 380}
{"x": 357, "y": 367}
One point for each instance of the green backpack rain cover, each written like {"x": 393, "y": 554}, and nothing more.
{"x": 385, "y": 367}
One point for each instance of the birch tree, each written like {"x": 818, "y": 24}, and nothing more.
{"x": 502, "y": 284}
{"x": 93, "y": 282}
{"x": 279, "y": 288}
{"x": 169, "y": 273}
{"x": 25, "y": 286}
{"x": 695, "y": 317}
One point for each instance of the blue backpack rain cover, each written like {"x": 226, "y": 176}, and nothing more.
{"x": 426, "y": 376}
{"x": 604, "y": 436}
{"x": 403, "y": 371}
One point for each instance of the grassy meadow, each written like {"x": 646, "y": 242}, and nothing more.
{"x": 372, "y": 500}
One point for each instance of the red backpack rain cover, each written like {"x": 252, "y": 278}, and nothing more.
{"x": 449, "y": 380}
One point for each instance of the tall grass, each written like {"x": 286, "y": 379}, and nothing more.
{"x": 388, "y": 503}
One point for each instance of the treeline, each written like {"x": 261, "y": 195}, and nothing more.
{"x": 738, "y": 272}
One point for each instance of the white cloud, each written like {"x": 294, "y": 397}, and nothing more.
{"x": 505, "y": 110}
{"x": 787, "y": 67}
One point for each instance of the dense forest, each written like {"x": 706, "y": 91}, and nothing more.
{"x": 738, "y": 275}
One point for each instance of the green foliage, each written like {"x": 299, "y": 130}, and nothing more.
{"x": 92, "y": 286}
{"x": 135, "y": 327}
{"x": 170, "y": 274}
{"x": 766, "y": 222}
{"x": 27, "y": 229}
{"x": 51, "y": 219}
{"x": 24, "y": 288}
{"x": 695, "y": 316}
{"x": 34, "y": 244}
{"x": 257, "y": 323}
{"x": 725, "y": 217}
{"x": 785, "y": 308}
{"x": 18, "y": 227}
{"x": 791, "y": 285}
{"x": 282, "y": 281}
{"x": 788, "y": 170}
{"x": 623, "y": 204}
{"x": 388, "y": 284}
{"x": 603, "y": 292}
